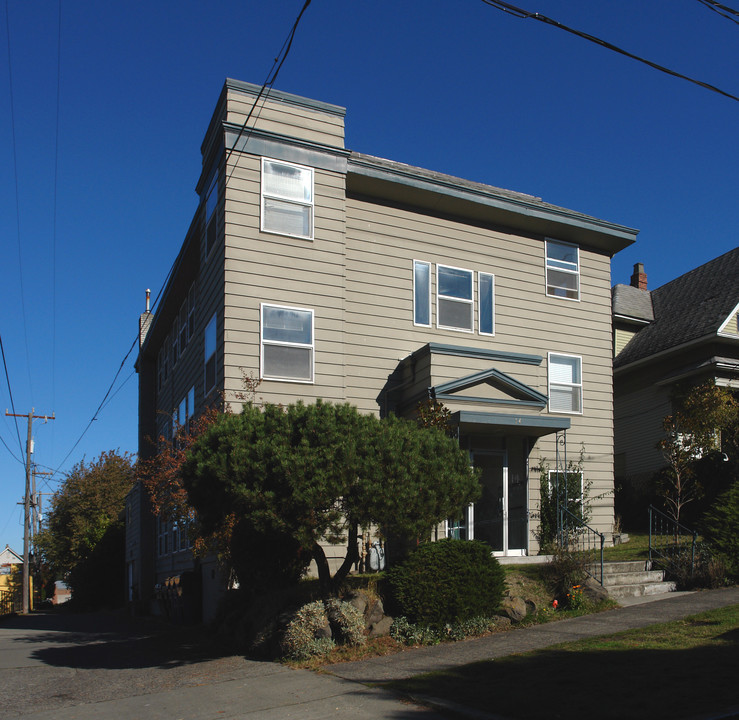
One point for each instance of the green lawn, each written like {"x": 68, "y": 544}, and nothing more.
{"x": 636, "y": 549}
{"x": 674, "y": 670}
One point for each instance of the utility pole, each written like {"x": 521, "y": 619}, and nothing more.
{"x": 27, "y": 506}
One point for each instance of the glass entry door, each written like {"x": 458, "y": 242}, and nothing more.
{"x": 500, "y": 516}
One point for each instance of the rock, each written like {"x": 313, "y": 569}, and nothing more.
{"x": 501, "y": 623}
{"x": 381, "y": 628}
{"x": 323, "y": 632}
{"x": 531, "y": 607}
{"x": 358, "y": 599}
{"x": 594, "y": 591}
{"x": 374, "y": 613}
{"x": 514, "y": 608}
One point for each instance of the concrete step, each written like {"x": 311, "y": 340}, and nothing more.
{"x": 640, "y": 589}
{"x": 632, "y": 578}
{"x": 625, "y": 566}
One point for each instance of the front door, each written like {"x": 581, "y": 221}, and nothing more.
{"x": 500, "y": 516}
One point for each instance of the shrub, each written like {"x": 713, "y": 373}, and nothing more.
{"x": 720, "y": 528}
{"x": 308, "y": 633}
{"x": 447, "y": 582}
{"x": 565, "y": 571}
{"x": 702, "y": 571}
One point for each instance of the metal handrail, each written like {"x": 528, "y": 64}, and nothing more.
{"x": 676, "y": 531}
{"x": 578, "y": 535}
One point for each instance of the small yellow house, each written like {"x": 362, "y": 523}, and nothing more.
{"x": 11, "y": 568}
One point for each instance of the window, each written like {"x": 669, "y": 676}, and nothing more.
{"x": 454, "y": 307}
{"x": 163, "y": 535}
{"x": 574, "y": 489}
{"x": 565, "y": 384}
{"x": 182, "y": 416}
{"x": 287, "y": 199}
{"x": 183, "y": 327}
{"x": 486, "y": 285}
{"x": 211, "y": 216}
{"x": 287, "y": 343}
{"x": 175, "y": 337}
{"x": 191, "y": 311}
{"x": 421, "y": 293}
{"x": 563, "y": 270}
{"x": 210, "y": 355}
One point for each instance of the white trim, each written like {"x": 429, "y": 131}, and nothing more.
{"x": 428, "y": 299}
{"x": 559, "y": 268}
{"x": 564, "y": 384}
{"x": 284, "y": 199}
{"x": 470, "y": 302}
{"x": 479, "y": 302}
{"x": 283, "y": 343}
{"x": 733, "y": 319}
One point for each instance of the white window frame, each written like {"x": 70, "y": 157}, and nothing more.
{"x": 562, "y": 266}
{"x": 480, "y": 302}
{"x": 416, "y": 298}
{"x": 266, "y": 195}
{"x": 210, "y": 328}
{"x": 553, "y": 473}
{"x": 452, "y": 298}
{"x": 283, "y": 343}
{"x": 575, "y": 385}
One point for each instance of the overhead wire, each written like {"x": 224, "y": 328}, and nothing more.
{"x": 17, "y": 197}
{"x": 267, "y": 84}
{"x": 271, "y": 78}
{"x": 526, "y": 14}
{"x": 723, "y": 10}
{"x": 12, "y": 402}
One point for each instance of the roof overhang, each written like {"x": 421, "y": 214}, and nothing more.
{"x": 509, "y": 424}
{"x": 447, "y": 195}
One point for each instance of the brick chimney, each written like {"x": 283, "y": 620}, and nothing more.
{"x": 639, "y": 278}
{"x": 145, "y": 320}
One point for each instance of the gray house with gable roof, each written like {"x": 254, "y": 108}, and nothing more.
{"x": 683, "y": 333}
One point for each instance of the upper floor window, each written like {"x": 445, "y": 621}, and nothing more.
{"x": 486, "y": 285}
{"x": 210, "y": 355}
{"x": 287, "y": 199}
{"x": 455, "y": 306}
{"x": 287, "y": 343}
{"x": 563, "y": 270}
{"x": 421, "y": 293}
{"x": 211, "y": 216}
{"x": 182, "y": 418}
{"x": 565, "y": 384}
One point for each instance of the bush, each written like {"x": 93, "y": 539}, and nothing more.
{"x": 720, "y": 528}
{"x": 447, "y": 582}
{"x": 309, "y": 632}
{"x": 702, "y": 571}
{"x": 565, "y": 574}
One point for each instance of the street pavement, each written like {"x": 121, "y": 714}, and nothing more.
{"x": 107, "y": 666}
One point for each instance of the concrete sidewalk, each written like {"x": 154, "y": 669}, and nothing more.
{"x": 449, "y": 655}
{"x": 99, "y": 668}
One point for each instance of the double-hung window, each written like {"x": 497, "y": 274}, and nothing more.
{"x": 286, "y": 343}
{"x": 565, "y": 384}
{"x": 287, "y": 199}
{"x": 184, "y": 412}
{"x": 454, "y": 298}
{"x": 563, "y": 270}
{"x": 210, "y": 355}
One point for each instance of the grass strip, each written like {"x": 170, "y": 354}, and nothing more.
{"x": 673, "y": 670}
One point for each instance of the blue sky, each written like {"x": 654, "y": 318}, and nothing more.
{"x": 94, "y": 206}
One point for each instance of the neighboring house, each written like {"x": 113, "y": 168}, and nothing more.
{"x": 331, "y": 274}
{"x": 683, "y": 333}
{"x": 11, "y": 568}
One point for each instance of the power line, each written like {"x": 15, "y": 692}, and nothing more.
{"x": 722, "y": 10}
{"x": 17, "y": 198}
{"x": 268, "y": 83}
{"x": 525, "y": 14}
{"x": 10, "y": 393}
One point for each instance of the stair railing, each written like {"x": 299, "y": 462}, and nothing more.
{"x": 577, "y": 536}
{"x": 669, "y": 541}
